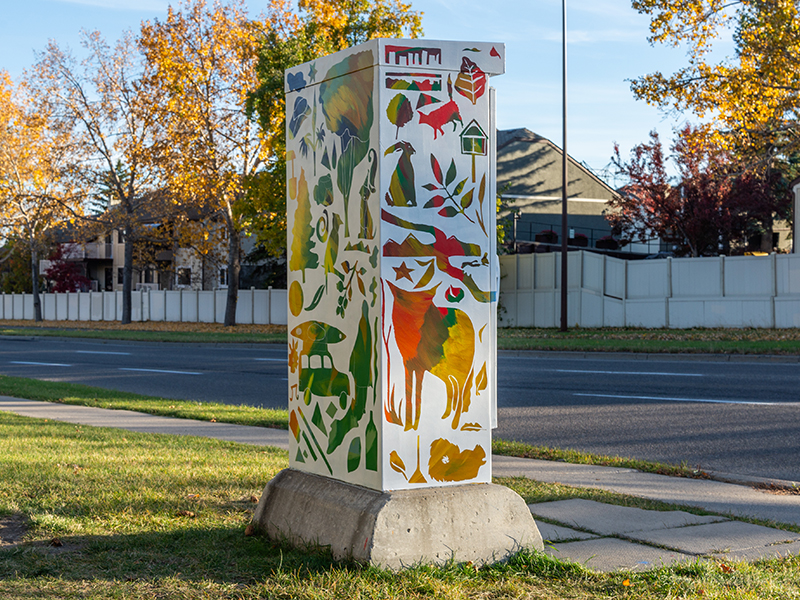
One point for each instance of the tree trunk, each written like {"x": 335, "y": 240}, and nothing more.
{"x": 766, "y": 237}
{"x": 234, "y": 266}
{"x": 127, "y": 278}
{"x": 37, "y": 301}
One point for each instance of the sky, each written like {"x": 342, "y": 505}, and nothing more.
{"x": 606, "y": 48}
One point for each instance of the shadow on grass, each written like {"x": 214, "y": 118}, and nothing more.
{"x": 226, "y": 556}
{"x": 220, "y": 555}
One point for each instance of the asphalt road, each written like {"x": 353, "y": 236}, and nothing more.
{"x": 738, "y": 417}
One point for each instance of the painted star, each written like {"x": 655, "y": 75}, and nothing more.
{"x": 312, "y": 72}
{"x": 403, "y": 272}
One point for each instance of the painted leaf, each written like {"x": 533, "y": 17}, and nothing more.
{"x": 454, "y": 294}
{"x": 437, "y": 170}
{"x": 449, "y": 211}
{"x": 299, "y": 114}
{"x": 326, "y": 160}
{"x": 435, "y": 202}
{"x": 451, "y": 173}
{"x": 431, "y": 186}
{"x": 482, "y": 380}
{"x": 449, "y": 463}
{"x": 317, "y": 298}
{"x": 482, "y": 189}
{"x": 354, "y": 455}
{"x": 426, "y": 278}
{"x": 294, "y": 425}
{"x": 400, "y": 112}
{"x": 425, "y": 100}
{"x": 466, "y": 199}
{"x": 471, "y": 81}
{"x": 361, "y": 286}
{"x": 295, "y": 298}
{"x": 323, "y": 191}
{"x": 459, "y": 187}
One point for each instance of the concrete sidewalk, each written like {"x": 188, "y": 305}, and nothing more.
{"x": 604, "y": 537}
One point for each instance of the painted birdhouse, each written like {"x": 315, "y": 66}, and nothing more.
{"x": 474, "y": 142}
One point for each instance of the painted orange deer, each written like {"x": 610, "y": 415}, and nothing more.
{"x": 436, "y": 339}
{"x": 446, "y": 113}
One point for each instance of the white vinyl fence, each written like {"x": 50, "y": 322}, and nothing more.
{"x": 739, "y": 291}
{"x": 260, "y": 307}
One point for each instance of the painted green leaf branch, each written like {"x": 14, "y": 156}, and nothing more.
{"x": 442, "y": 185}
{"x": 347, "y": 276}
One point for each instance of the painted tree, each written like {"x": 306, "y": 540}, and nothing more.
{"x": 201, "y": 66}
{"x": 37, "y": 188}
{"x": 101, "y": 100}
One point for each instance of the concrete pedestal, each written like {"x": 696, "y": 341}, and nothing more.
{"x": 482, "y": 523}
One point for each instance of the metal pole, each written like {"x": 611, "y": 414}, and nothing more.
{"x": 564, "y": 229}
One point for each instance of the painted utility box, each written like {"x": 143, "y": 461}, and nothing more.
{"x": 392, "y": 270}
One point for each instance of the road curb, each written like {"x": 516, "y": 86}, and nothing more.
{"x": 758, "y": 482}
{"x": 671, "y": 356}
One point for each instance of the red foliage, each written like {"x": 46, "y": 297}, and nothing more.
{"x": 65, "y": 275}
{"x": 713, "y": 203}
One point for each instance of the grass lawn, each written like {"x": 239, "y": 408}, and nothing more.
{"x": 101, "y": 513}
{"x": 712, "y": 341}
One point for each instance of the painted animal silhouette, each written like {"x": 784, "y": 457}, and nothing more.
{"x": 436, "y": 339}
{"x": 401, "y": 186}
{"x": 446, "y": 113}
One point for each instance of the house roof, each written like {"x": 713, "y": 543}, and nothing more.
{"x": 529, "y": 169}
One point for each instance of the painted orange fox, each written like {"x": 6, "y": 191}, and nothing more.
{"x": 446, "y": 113}
{"x": 436, "y": 339}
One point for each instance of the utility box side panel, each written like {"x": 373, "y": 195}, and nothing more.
{"x": 333, "y": 274}
{"x": 437, "y": 262}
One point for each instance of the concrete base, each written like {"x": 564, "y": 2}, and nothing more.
{"x": 482, "y": 523}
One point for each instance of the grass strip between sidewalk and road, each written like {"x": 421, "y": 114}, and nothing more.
{"x": 691, "y": 341}
{"x": 84, "y": 395}
{"x": 98, "y": 513}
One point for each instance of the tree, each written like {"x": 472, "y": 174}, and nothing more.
{"x": 37, "y": 190}
{"x": 103, "y": 103}
{"x": 714, "y": 204}
{"x": 320, "y": 27}
{"x": 752, "y": 97}
{"x": 63, "y": 274}
{"x": 201, "y": 67}
{"x": 751, "y": 100}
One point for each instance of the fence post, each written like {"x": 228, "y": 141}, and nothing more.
{"x": 722, "y": 275}
{"x": 774, "y": 259}
{"x": 269, "y": 305}
{"x": 669, "y": 290}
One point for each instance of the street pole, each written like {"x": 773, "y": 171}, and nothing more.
{"x": 564, "y": 165}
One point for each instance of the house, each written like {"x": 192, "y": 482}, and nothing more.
{"x": 196, "y": 260}
{"x": 529, "y": 176}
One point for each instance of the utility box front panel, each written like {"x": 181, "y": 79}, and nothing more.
{"x": 392, "y": 277}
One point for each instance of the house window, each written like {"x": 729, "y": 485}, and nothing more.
{"x": 184, "y": 276}
{"x": 148, "y": 275}
{"x": 223, "y": 277}
{"x": 120, "y": 275}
